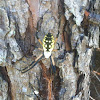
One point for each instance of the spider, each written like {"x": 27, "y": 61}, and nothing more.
{"x": 48, "y": 46}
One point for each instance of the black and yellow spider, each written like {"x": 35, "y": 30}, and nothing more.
{"x": 48, "y": 46}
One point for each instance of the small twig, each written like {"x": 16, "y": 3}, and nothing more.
{"x": 96, "y": 72}
{"x": 91, "y": 98}
{"x": 96, "y": 76}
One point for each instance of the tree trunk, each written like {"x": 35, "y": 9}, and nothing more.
{"x": 78, "y": 36}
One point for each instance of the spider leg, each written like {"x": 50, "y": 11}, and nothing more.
{"x": 57, "y": 49}
{"x": 38, "y": 38}
{"x": 32, "y": 64}
{"x": 53, "y": 64}
{"x": 37, "y": 47}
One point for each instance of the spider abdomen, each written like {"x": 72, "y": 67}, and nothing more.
{"x": 48, "y": 44}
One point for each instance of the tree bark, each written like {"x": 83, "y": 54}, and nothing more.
{"x": 78, "y": 37}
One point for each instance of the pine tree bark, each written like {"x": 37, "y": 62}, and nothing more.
{"x": 19, "y": 21}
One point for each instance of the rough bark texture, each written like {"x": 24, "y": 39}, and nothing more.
{"x": 77, "y": 39}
